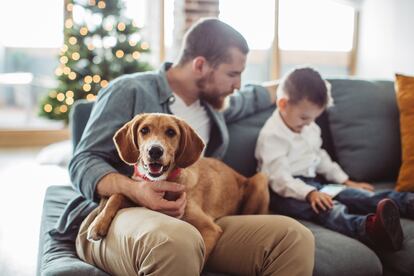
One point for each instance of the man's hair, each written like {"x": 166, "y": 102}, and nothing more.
{"x": 304, "y": 83}
{"x": 211, "y": 39}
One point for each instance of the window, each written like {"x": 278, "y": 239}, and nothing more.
{"x": 31, "y": 34}
{"x": 318, "y": 25}
{"x": 23, "y": 24}
{"x": 318, "y": 33}
{"x": 29, "y": 43}
{"x": 256, "y": 23}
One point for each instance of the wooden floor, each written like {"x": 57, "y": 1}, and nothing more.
{"x": 22, "y": 183}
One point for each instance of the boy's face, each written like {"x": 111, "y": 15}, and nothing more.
{"x": 298, "y": 115}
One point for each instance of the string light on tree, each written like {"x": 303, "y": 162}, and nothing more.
{"x": 101, "y": 5}
{"x": 121, "y": 26}
{"x": 68, "y": 23}
{"x": 83, "y": 31}
{"x": 69, "y": 94}
{"x": 119, "y": 53}
{"x": 96, "y": 78}
{"x": 69, "y": 7}
{"x": 75, "y": 56}
{"x": 60, "y": 97}
{"x": 48, "y": 108}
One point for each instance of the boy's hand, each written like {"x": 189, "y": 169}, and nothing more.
{"x": 319, "y": 200}
{"x": 359, "y": 185}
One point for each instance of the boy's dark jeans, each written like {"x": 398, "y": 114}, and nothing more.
{"x": 351, "y": 207}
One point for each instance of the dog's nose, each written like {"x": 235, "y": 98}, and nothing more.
{"x": 155, "y": 152}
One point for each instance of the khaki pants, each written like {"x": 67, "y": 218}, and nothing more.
{"x": 144, "y": 242}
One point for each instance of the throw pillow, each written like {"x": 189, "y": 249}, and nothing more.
{"x": 404, "y": 87}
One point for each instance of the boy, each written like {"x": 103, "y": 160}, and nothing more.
{"x": 289, "y": 151}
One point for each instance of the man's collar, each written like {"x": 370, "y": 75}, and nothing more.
{"x": 164, "y": 88}
{"x": 166, "y": 93}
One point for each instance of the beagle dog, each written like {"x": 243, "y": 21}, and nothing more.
{"x": 164, "y": 147}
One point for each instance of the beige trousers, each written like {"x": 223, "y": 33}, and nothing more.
{"x": 144, "y": 242}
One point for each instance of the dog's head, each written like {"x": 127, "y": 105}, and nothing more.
{"x": 158, "y": 143}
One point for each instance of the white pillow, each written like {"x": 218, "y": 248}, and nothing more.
{"x": 58, "y": 153}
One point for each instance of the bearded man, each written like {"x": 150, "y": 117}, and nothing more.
{"x": 149, "y": 239}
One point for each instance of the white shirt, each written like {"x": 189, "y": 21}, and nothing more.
{"x": 283, "y": 154}
{"x": 195, "y": 115}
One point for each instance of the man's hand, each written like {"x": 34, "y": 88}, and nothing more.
{"x": 152, "y": 195}
{"x": 319, "y": 200}
{"x": 359, "y": 185}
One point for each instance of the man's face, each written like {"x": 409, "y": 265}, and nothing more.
{"x": 221, "y": 81}
{"x": 301, "y": 114}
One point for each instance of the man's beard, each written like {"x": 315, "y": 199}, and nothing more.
{"x": 216, "y": 100}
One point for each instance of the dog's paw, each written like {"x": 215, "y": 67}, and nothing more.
{"x": 93, "y": 234}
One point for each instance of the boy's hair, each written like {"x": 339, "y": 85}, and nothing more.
{"x": 304, "y": 83}
{"x": 211, "y": 39}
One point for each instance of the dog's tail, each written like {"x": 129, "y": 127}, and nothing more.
{"x": 256, "y": 195}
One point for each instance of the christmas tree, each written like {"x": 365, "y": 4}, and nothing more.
{"x": 100, "y": 44}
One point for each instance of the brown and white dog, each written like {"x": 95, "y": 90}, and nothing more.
{"x": 164, "y": 147}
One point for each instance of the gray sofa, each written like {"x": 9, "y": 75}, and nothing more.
{"x": 361, "y": 132}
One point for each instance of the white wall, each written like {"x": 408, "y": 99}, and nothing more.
{"x": 386, "y": 38}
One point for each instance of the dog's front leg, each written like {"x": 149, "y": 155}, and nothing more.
{"x": 205, "y": 224}
{"x": 100, "y": 225}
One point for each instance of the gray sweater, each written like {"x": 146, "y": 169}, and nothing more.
{"x": 95, "y": 156}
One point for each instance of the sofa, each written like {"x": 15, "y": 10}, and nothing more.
{"x": 360, "y": 132}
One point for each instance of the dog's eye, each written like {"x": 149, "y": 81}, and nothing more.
{"x": 170, "y": 132}
{"x": 145, "y": 130}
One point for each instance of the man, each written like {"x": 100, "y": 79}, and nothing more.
{"x": 151, "y": 240}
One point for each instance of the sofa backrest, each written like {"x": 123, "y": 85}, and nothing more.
{"x": 361, "y": 132}
{"x": 79, "y": 116}
{"x": 364, "y": 123}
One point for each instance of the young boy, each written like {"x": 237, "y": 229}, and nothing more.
{"x": 289, "y": 151}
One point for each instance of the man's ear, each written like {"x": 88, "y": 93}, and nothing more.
{"x": 191, "y": 146}
{"x": 200, "y": 65}
{"x": 126, "y": 140}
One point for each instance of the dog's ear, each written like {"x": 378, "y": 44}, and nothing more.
{"x": 191, "y": 146}
{"x": 126, "y": 140}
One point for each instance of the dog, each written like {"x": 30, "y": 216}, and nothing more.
{"x": 164, "y": 147}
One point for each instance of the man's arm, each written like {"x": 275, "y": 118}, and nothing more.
{"x": 96, "y": 155}
{"x": 249, "y": 100}
{"x": 271, "y": 87}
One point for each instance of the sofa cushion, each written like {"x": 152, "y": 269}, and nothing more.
{"x": 365, "y": 129}
{"x": 401, "y": 262}
{"x": 338, "y": 255}
{"x": 243, "y": 136}
{"x": 405, "y": 98}
{"x": 59, "y": 257}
